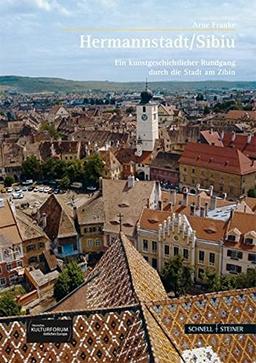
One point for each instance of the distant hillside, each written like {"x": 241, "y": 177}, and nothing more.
{"x": 32, "y": 85}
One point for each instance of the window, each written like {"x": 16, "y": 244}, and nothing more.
{"x": 185, "y": 253}
{"x": 100, "y": 229}
{"x": 193, "y": 171}
{"x": 146, "y": 258}
{"x": 166, "y": 250}
{"x": 98, "y": 242}
{"x": 90, "y": 242}
{"x": 248, "y": 241}
{"x": 31, "y": 248}
{"x": 145, "y": 244}
{"x": 59, "y": 249}
{"x": 19, "y": 263}
{"x": 154, "y": 246}
{"x": 85, "y": 230}
{"x": 235, "y": 255}
{"x": 233, "y": 268}
{"x": 41, "y": 245}
{"x": 201, "y": 256}
{"x": 32, "y": 259}
{"x": 212, "y": 258}
{"x": 176, "y": 251}
{"x": 231, "y": 238}
{"x": 2, "y": 281}
{"x": 9, "y": 266}
{"x": 252, "y": 257}
{"x": 154, "y": 262}
{"x": 144, "y": 109}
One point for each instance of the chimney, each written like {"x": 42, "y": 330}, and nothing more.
{"x": 233, "y": 137}
{"x": 185, "y": 197}
{"x": 202, "y": 212}
{"x": 206, "y": 209}
{"x": 74, "y": 212}
{"x": 173, "y": 195}
{"x": 249, "y": 138}
{"x": 192, "y": 209}
{"x": 213, "y": 202}
{"x": 160, "y": 205}
{"x": 198, "y": 201}
{"x": 211, "y": 190}
{"x": 131, "y": 181}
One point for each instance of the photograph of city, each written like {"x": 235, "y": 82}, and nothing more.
{"x": 127, "y": 181}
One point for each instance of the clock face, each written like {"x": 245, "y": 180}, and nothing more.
{"x": 144, "y": 117}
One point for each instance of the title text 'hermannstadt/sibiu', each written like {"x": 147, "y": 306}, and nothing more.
{"x": 194, "y": 41}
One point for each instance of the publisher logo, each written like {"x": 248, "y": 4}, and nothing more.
{"x": 49, "y": 331}
{"x": 220, "y": 329}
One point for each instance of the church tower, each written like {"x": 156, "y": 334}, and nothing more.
{"x": 147, "y": 122}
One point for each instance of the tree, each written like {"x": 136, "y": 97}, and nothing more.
{"x": 64, "y": 182}
{"x": 93, "y": 167}
{"x": 176, "y": 276}
{"x": 8, "y": 306}
{"x": 252, "y": 193}
{"x": 212, "y": 281}
{"x": 31, "y": 168}
{"x": 8, "y": 181}
{"x": 69, "y": 279}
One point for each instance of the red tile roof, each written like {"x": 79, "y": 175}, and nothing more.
{"x": 225, "y": 159}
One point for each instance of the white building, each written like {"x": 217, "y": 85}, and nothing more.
{"x": 147, "y": 123}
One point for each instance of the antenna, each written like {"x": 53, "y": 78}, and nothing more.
{"x": 146, "y": 84}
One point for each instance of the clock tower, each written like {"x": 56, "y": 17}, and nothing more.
{"x": 147, "y": 122}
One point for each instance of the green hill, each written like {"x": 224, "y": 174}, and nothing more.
{"x": 45, "y": 84}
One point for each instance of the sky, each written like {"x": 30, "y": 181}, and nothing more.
{"x": 34, "y": 41}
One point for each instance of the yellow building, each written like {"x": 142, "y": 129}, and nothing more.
{"x": 34, "y": 240}
{"x": 162, "y": 235}
{"x": 228, "y": 169}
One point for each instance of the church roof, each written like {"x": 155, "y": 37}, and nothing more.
{"x": 123, "y": 314}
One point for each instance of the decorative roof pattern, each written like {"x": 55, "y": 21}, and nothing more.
{"x": 98, "y": 336}
{"x": 120, "y": 278}
{"x": 228, "y": 307}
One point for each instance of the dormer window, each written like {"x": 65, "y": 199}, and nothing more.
{"x": 250, "y": 238}
{"x": 231, "y": 238}
{"x": 248, "y": 241}
{"x": 233, "y": 235}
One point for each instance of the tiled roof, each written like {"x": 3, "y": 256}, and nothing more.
{"x": 126, "y": 316}
{"x": 60, "y": 147}
{"x": 59, "y": 221}
{"x": 240, "y": 115}
{"x": 225, "y": 159}
{"x": 128, "y": 155}
{"x": 27, "y": 228}
{"x": 151, "y": 218}
{"x": 208, "y": 229}
{"x": 241, "y": 142}
{"x": 227, "y": 307}
{"x": 106, "y": 335}
{"x": 117, "y": 198}
{"x": 118, "y": 279}
{"x": 212, "y": 137}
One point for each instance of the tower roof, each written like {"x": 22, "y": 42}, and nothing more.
{"x": 146, "y": 96}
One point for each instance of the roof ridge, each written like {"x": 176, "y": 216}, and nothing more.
{"x": 163, "y": 329}
{"x": 121, "y": 236}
